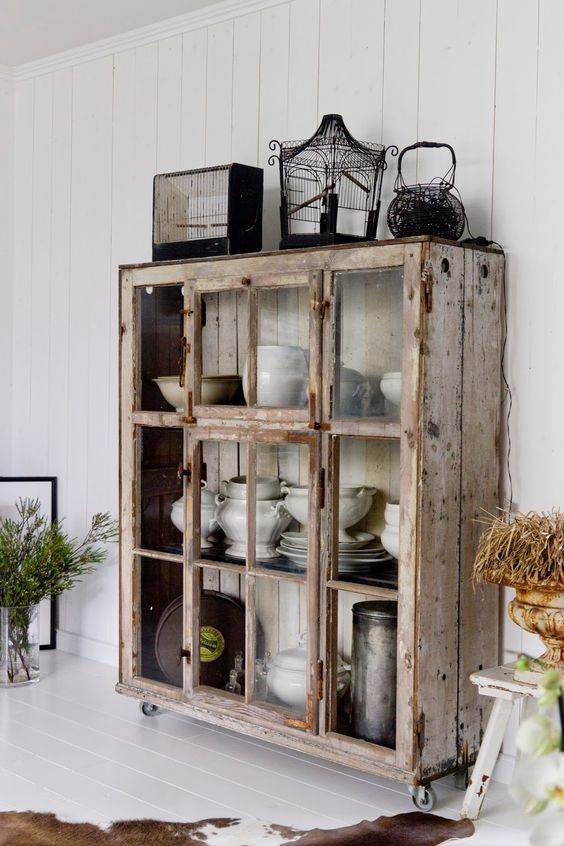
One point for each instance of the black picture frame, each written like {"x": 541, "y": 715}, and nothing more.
{"x": 44, "y": 488}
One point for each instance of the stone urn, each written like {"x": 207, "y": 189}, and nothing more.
{"x": 540, "y": 610}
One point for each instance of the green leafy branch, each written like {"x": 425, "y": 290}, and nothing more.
{"x": 39, "y": 559}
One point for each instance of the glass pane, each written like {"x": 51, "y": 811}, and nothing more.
{"x": 283, "y": 347}
{"x": 159, "y": 316}
{"x": 160, "y": 460}
{"x": 282, "y": 494}
{"x": 223, "y": 501}
{"x": 368, "y": 343}
{"x": 368, "y": 511}
{"x": 363, "y": 670}
{"x": 160, "y": 632}
{"x": 224, "y": 346}
{"x": 222, "y": 630}
{"x": 281, "y": 645}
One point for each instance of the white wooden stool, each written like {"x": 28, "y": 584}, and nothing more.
{"x": 498, "y": 683}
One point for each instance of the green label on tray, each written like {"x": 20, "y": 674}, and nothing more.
{"x": 212, "y": 644}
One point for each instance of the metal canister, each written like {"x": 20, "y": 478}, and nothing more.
{"x": 373, "y": 672}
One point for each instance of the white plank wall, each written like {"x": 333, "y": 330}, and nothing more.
{"x": 7, "y": 258}
{"x": 483, "y": 75}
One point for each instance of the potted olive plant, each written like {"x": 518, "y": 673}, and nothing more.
{"x": 38, "y": 560}
{"x": 526, "y": 552}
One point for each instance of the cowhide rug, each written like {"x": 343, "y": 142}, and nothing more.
{"x": 415, "y": 829}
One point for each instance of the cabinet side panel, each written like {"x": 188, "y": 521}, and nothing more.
{"x": 481, "y": 407}
{"x": 440, "y": 435}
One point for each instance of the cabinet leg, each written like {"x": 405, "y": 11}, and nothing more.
{"x": 487, "y": 756}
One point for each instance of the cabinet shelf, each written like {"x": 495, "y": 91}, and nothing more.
{"x": 371, "y": 405}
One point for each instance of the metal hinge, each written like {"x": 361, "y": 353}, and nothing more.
{"x": 187, "y": 472}
{"x": 321, "y": 488}
{"x": 319, "y": 685}
{"x": 427, "y": 280}
{"x": 320, "y": 306}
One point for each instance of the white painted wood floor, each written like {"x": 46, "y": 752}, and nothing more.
{"x": 72, "y": 746}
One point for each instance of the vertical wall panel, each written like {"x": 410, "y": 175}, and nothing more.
{"x": 273, "y": 100}
{"x": 219, "y": 93}
{"x": 90, "y": 336}
{"x": 22, "y": 292}
{"x": 40, "y": 269}
{"x": 7, "y": 165}
{"x": 456, "y": 98}
{"x": 246, "y": 72}
{"x": 194, "y": 86}
{"x": 303, "y": 65}
{"x": 401, "y": 93}
{"x": 59, "y": 284}
{"x": 169, "y": 104}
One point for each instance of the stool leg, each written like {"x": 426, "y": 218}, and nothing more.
{"x": 487, "y": 756}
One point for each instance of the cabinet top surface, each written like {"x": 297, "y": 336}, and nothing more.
{"x": 422, "y": 239}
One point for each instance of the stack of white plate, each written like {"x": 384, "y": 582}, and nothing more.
{"x": 358, "y": 557}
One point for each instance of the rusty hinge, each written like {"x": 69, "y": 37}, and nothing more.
{"x": 427, "y": 280}
{"x": 420, "y": 732}
{"x": 190, "y": 416}
{"x": 319, "y": 680}
{"x": 313, "y": 421}
{"x": 319, "y": 306}
{"x": 321, "y": 483}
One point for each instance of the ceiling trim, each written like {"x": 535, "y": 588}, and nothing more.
{"x": 197, "y": 19}
{"x": 7, "y": 74}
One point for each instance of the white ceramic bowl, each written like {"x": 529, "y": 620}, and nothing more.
{"x": 390, "y": 536}
{"x": 282, "y": 376}
{"x": 219, "y": 390}
{"x": 171, "y": 391}
{"x": 216, "y": 390}
{"x": 267, "y": 487}
{"x": 271, "y": 520}
{"x": 354, "y": 504}
{"x": 390, "y": 386}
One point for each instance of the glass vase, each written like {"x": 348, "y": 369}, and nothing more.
{"x": 19, "y": 645}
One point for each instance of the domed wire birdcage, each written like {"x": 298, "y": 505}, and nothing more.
{"x": 327, "y": 182}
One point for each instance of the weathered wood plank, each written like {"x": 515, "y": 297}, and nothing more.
{"x": 480, "y": 479}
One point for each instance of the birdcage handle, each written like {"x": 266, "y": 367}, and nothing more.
{"x": 448, "y": 178}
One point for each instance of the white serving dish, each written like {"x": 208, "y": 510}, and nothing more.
{"x": 282, "y": 376}
{"x": 171, "y": 391}
{"x": 267, "y": 487}
{"x": 287, "y": 672}
{"x": 390, "y": 386}
{"x": 207, "y": 515}
{"x": 271, "y": 520}
{"x": 354, "y": 503}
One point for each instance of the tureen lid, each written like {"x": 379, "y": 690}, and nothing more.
{"x": 293, "y": 659}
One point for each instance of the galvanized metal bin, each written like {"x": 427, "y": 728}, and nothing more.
{"x": 373, "y": 673}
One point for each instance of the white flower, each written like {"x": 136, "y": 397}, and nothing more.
{"x": 538, "y": 736}
{"x": 550, "y": 832}
{"x": 539, "y": 781}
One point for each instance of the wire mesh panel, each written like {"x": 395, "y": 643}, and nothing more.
{"x": 330, "y": 186}
{"x": 210, "y": 211}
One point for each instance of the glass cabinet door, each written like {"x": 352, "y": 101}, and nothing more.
{"x": 253, "y": 562}
{"x": 160, "y": 348}
{"x": 363, "y": 564}
{"x": 367, "y": 344}
{"x": 256, "y": 348}
{"x": 158, "y": 567}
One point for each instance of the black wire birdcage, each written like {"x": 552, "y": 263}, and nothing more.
{"x": 329, "y": 181}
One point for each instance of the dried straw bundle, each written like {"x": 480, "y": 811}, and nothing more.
{"x": 527, "y": 549}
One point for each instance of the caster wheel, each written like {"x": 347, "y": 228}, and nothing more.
{"x": 148, "y": 709}
{"x": 423, "y": 798}
{"x": 462, "y": 779}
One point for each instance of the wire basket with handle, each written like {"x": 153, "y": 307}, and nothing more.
{"x": 426, "y": 209}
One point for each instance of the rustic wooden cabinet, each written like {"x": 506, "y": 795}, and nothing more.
{"x": 367, "y": 372}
